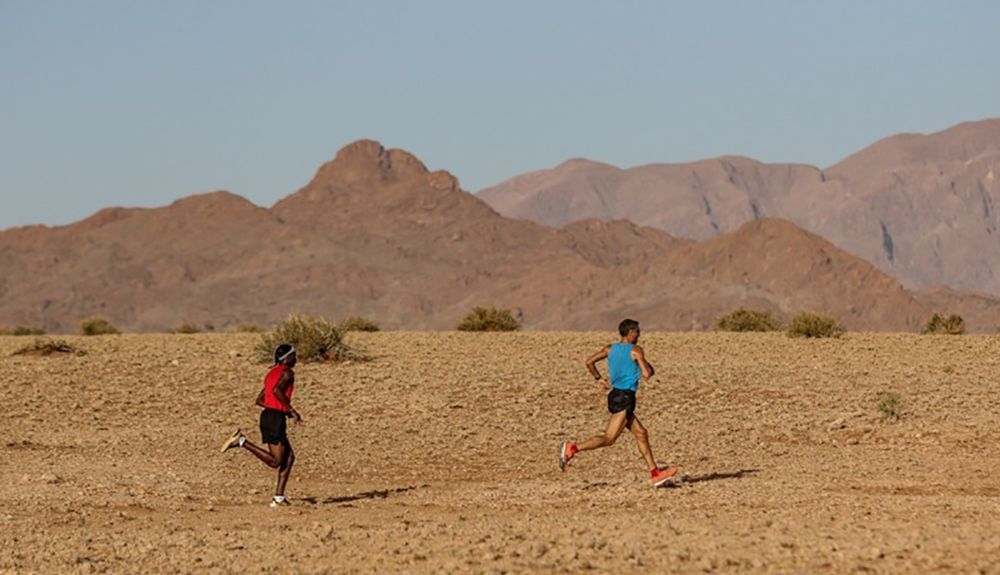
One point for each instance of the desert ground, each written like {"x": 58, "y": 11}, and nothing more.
{"x": 440, "y": 455}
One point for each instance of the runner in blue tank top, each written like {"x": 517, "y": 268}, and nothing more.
{"x": 626, "y": 366}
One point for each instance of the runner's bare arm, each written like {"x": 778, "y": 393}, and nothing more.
{"x": 260, "y": 398}
{"x": 647, "y": 368}
{"x": 592, "y": 366}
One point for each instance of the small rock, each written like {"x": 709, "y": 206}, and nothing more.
{"x": 326, "y": 532}
{"x": 51, "y": 478}
{"x": 839, "y": 423}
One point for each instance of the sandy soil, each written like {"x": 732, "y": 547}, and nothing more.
{"x": 440, "y": 456}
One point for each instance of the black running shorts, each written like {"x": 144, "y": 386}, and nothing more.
{"x": 273, "y": 426}
{"x": 622, "y": 400}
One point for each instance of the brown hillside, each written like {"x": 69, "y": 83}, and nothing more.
{"x": 772, "y": 264}
{"x": 378, "y": 235}
{"x": 919, "y": 207}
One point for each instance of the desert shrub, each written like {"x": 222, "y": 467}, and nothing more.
{"x": 747, "y": 320}
{"x": 808, "y": 324}
{"x": 46, "y": 346}
{"x": 97, "y": 326}
{"x": 890, "y": 406}
{"x": 315, "y": 339}
{"x": 489, "y": 319}
{"x": 186, "y": 327}
{"x": 951, "y": 325}
{"x": 21, "y": 330}
{"x": 247, "y": 327}
{"x": 358, "y": 324}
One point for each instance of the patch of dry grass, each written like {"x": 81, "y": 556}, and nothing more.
{"x": 489, "y": 319}
{"x": 46, "y": 347}
{"x": 814, "y": 325}
{"x": 315, "y": 339}
{"x": 743, "y": 320}
{"x": 97, "y": 326}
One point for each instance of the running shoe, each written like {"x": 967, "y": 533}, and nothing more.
{"x": 660, "y": 476}
{"x": 566, "y": 452}
{"x": 283, "y": 503}
{"x": 233, "y": 441}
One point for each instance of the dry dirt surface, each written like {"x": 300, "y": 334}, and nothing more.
{"x": 440, "y": 455}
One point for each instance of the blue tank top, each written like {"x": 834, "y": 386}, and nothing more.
{"x": 625, "y": 372}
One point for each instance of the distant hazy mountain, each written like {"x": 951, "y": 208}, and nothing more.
{"x": 921, "y": 208}
{"x": 376, "y": 234}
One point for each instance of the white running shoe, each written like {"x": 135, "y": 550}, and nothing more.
{"x": 235, "y": 440}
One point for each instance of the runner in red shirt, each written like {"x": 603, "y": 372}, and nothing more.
{"x": 276, "y": 399}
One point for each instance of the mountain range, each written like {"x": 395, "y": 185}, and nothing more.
{"x": 377, "y": 234}
{"x": 923, "y": 208}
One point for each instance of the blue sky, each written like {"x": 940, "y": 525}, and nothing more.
{"x": 138, "y": 103}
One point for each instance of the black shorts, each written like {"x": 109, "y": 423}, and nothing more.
{"x": 622, "y": 400}
{"x": 272, "y": 426}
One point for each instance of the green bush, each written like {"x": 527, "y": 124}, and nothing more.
{"x": 21, "y": 330}
{"x": 489, "y": 319}
{"x": 890, "y": 406}
{"x": 358, "y": 324}
{"x": 97, "y": 326}
{"x": 747, "y": 320}
{"x": 45, "y": 346}
{"x": 186, "y": 327}
{"x": 808, "y": 324}
{"x": 315, "y": 339}
{"x": 951, "y": 325}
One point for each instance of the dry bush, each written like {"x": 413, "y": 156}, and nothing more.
{"x": 97, "y": 326}
{"x": 358, "y": 324}
{"x": 747, "y": 320}
{"x": 315, "y": 339}
{"x": 808, "y": 324}
{"x": 46, "y": 347}
{"x": 489, "y": 319}
{"x": 247, "y": 327}
{"x": 21, "y": 330}
{"x": 951, "y": 325}
{"x": 890, "y": 406}
{"x": 186, "y": 327}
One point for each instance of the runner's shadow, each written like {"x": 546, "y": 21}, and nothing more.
{"x": 373, "y": 494}
{"x": 713, "y": 476}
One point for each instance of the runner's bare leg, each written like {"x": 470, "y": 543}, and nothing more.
{"x": 642, "y": 439}
{"x": 615, "y": 426}
{"x": 285, "y": 470}
{"x": 272, "y": 457}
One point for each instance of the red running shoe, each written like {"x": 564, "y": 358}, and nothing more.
{"x": 566, "y": 452}
{"x": 660, "y": 476}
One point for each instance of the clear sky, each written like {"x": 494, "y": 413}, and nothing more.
{"x": 139, "y": 103}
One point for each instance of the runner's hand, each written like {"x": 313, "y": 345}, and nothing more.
{"x": 602, "y": 384}
{"x": 296, "y": 417}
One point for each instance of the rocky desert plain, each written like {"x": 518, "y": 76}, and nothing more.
{"x": 872, "y": 452}
{"x": 439, "y": 455}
